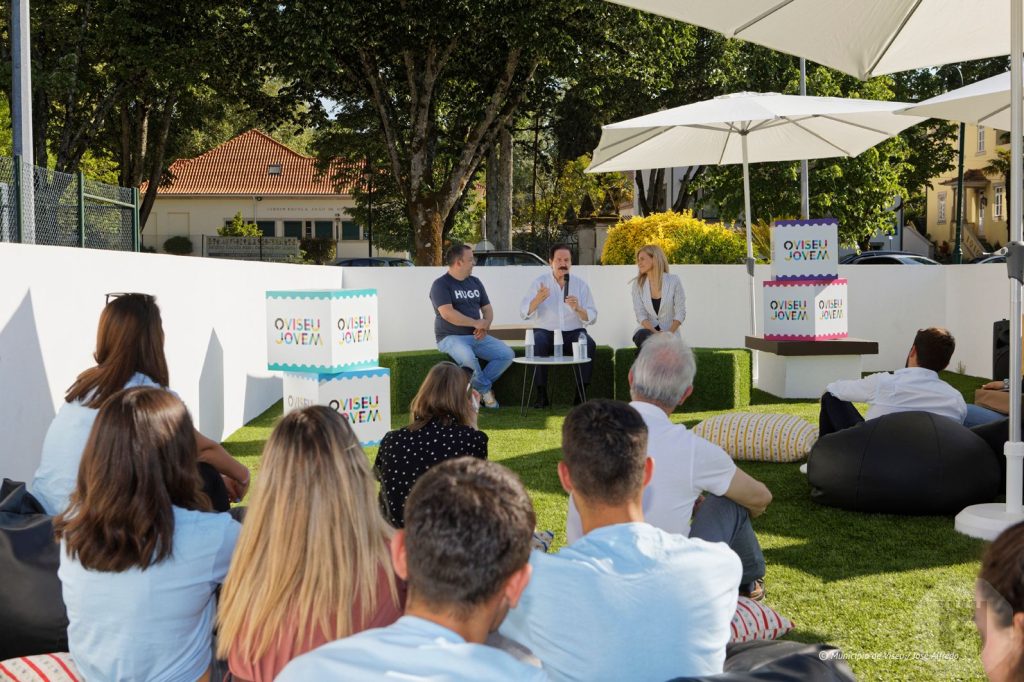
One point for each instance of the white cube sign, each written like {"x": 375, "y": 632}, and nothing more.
{"x": 362, "y": 397}
{"x": 322, "y": 331}
{"x": 805, "y": 310}
{"x": 805, "y": 249}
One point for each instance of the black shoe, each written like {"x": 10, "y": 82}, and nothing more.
{"x": 542, "y": 398}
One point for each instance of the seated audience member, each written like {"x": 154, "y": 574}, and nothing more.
{"x": 464, "y": 553}
{"x": 916, "y": 387}
{"x": 312, "y": 563}
{"x": 443, "y": 426}
{"x": 141, "y": 554}
{"x": 627, "y": 601}
{"x": 129, "y": 352}
{"x": 999, "y": 606}
{"x": 687, "y": 465}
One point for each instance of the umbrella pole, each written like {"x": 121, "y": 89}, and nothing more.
{"x": 750, "y": 243}
{"x": 986, "y": 521}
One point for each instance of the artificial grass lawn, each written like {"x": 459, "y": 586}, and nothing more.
{"x": 894, "y": 592}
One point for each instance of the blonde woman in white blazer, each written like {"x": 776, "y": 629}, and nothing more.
{"x": 659, "y": 301}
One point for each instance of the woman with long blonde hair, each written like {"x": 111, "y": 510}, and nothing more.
{"x": 659, "y": 301}
{"x": 312, "y": 563}
{"x": 443, "y": 418}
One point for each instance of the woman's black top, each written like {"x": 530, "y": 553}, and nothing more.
{"x": 656, "y": 302}
{"x": 406, "y": 455}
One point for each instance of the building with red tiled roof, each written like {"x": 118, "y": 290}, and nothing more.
{"x": 271, "y": 185}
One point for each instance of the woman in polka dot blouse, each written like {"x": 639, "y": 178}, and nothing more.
{"x": 442, "y": 426}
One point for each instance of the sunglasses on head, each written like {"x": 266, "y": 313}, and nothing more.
{"x": 148, "y": 298}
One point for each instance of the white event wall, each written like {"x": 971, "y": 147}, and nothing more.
{"x": 213, "y": 312}
{"x": 213, "y": 316}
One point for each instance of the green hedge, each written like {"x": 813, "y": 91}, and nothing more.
{"x": 409, "y": 367}
{"x": 722, "y": 382}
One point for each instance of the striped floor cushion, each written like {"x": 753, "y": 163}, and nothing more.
{"x": 760, "y": 437}
{"x": 40, "y": 668}
{"x": 755, "y": 620}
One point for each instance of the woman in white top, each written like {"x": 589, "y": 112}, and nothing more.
{"x": 129, "y": 353}
{"x": 659, "y": 301}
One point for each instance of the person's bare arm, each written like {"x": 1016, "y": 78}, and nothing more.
{"x": 488, "y": 317}
{"x": 453, "y": 316}
{"x": 236, "y": 475}
{"x": 749, "y": 492}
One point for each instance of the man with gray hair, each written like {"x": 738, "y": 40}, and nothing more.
{"x": 687, "y": 465}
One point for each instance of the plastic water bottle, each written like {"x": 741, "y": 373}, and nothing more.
{"x": 583, "y": 345}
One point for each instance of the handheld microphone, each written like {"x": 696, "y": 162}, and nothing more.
{"x": 565, "y": 290}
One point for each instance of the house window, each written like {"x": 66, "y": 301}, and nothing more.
{"x": 350, "y": 231}
{"x": 997, "y": 202}
{"x": 323, "y": 229}
{"x": 942, "y": 207}
{"x": 293, "y": 228}
{"x": 266, "y": 227}
{"x": 981, "y": 139}
{"x": 274, "y": 169}
{"x": 1002, "y": 137}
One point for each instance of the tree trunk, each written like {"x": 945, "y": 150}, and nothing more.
{"x": 492, "y": 203}
{"x": 503, "y": 235}
{"x": 427, "y": 226}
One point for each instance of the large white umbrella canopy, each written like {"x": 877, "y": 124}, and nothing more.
{"x": 748, "y": 127}
{"x": 986, "y": 103}
{"x": 861, "y": 37}
{"x": 872, "y": 37}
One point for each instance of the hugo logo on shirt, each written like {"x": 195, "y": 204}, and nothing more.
{"x": 460, "y": 293}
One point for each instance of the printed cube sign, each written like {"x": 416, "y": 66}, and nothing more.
{"x": 363, "y": 397}
{"x": 805, "y": 310}
{"x": 322, "y": 331}
{"x": 805, "y": 249}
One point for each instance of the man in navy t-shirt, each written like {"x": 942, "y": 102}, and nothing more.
{"x": 463, "y": 316}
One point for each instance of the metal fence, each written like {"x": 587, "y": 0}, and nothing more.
{"x": 65, "y": 209}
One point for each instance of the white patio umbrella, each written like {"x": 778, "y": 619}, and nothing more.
{"x": 748, "y": 127}
{"x": 872, "y": 37}
{"x": 986, "y": 102}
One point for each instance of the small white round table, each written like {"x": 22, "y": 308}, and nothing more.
{"x": 548, "y": 361}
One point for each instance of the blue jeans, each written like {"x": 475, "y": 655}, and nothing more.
{"x": 719, "y": 519}
{"x": 467, "y": 352}
{"x": 978, "y": 415}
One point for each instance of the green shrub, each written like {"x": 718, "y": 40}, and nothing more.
{"x": 240, "y": 228}
{"x": 319, "y": 251}
{"x": 179, "y": 246}
{"x": 722, "y": 382}
{"x": 684, "y": 239}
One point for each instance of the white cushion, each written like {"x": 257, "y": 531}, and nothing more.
{"x": 755, "y": 620}
{"x": 40, "y": 668}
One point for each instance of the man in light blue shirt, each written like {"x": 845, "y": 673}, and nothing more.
{"x": 627, "y": 601}
{"x": 464, "y": 552}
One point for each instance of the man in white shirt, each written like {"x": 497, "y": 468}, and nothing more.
{"x": 660, "y": 379}
{"x": 916, "y": 387}
{"x": 558, "y": 302}
{"x": 627, "y": 601}
{"x": 464, "y": 553}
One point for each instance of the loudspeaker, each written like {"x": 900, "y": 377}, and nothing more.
{"x": 1000, "y": 349}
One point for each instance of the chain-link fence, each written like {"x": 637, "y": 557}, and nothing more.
{"x": 64, "y": 209}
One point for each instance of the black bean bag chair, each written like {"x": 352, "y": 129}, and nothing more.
{"x": 33, "y": 619}
{"x": 780, "y": 661}
{"x": 913, "y": 463}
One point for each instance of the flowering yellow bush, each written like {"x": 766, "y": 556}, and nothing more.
{"x": 684, "y": 239}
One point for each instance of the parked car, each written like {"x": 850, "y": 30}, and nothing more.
{"x": 886, "y": 258}
{"x": 507, "y": 258}
{"x": 997, "y": 256}
{"x": 374, "y": 262}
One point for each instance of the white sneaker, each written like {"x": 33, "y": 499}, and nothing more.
{"x": 490, "y": 401}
